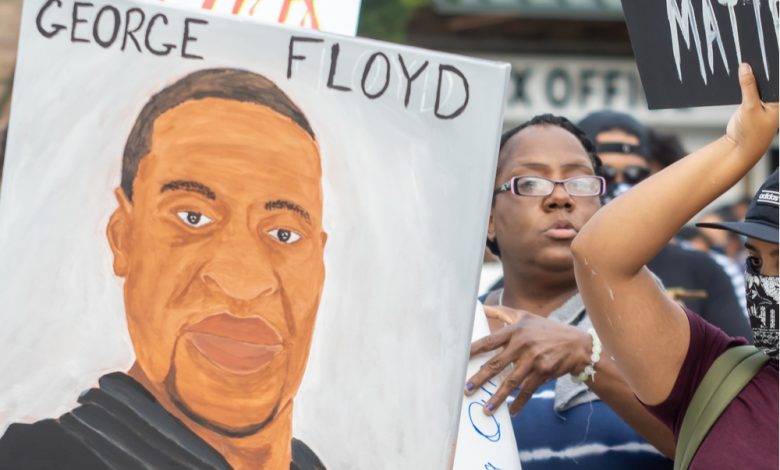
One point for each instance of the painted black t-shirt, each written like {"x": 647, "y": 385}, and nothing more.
{"x": 119, "y": 425}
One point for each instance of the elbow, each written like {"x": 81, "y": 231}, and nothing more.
{"x": 581, "y": 247}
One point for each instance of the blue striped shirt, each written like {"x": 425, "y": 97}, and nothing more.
{"x": 587, "y": 436}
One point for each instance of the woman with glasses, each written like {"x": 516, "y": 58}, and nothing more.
{"x": 663, "y": 350}
{"x": 572, "y": 408}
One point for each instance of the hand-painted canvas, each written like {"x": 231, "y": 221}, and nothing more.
{"x": 228, "y": 244}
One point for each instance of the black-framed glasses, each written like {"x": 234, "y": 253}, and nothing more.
{"x": 632, "y": 174}
{"x": 578, "y": 186}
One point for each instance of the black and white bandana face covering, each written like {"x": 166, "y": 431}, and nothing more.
{"x": 762, "y": 300}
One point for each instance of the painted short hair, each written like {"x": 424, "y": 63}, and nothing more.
{"x": 224, "y": 83}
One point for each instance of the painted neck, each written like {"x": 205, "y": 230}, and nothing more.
{"x": 268, "y": 448}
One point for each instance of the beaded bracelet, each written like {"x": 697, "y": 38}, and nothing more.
{"x": 590, "y": 370}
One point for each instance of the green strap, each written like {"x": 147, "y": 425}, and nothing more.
{"x": 727, "y": 376}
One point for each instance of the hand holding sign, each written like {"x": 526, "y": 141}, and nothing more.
{"x": 754, "y": 124}
{"x": 540, "y": 350}
{"x": 688, "y": 52}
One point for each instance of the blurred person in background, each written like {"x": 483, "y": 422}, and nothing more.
{"x": 691, "y": 277}
{"x": 546, "y": 189}
{"x": 724, "y": 242}
{"x": 663, "y": 149}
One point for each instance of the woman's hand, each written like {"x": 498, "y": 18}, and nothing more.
{"x": 539, "y": 349}
{"x": 754, "y": 124}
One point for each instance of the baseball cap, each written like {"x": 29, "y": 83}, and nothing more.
{"x": 761, "y": 217}
{"x": 595, "y": 123}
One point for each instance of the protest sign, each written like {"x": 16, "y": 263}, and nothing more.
{"x": 484, "y": 442}
{"x": 228, "y": 242}
{"x": 688, "y": 51}
{"x": 333, "y": 16}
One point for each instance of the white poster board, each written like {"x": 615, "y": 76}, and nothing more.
{"x": 406, "y": 141}
{"x": 332, "y": 16}
{"x": 484, "y": 442}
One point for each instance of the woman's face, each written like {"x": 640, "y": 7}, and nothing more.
{"x": 763, "y": 256}
{"x": 532, "y": 231}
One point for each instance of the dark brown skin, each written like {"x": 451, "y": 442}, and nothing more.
{"x": 539, "y": 278}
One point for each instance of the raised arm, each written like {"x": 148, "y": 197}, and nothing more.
{"x": 646, "y": 332}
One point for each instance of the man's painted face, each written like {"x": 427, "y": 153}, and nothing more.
{"x": 222, "y": 254}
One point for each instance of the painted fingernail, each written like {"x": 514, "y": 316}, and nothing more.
{"x": 469, "y": 386}
{"x": 490, "y": 407}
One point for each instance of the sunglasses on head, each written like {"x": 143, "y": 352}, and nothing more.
{"x": 632, "y": 174}
{"x": 579, "y": 186}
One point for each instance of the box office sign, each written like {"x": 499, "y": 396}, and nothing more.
{"x": 575, "y": 86}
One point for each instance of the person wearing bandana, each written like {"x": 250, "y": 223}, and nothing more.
{"x": 761, "y": 270}
{"x": 663, "y": 350}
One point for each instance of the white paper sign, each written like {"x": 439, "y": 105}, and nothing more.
{"x": 332, "y": 16}
{"x": 484, "y": 442}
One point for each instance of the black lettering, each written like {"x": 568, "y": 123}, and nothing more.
{"x": 334, "y": 58}
{"x": 449, "y": 68}
{"x": 188, "y": 38}
{"x": 96, "y": 29}
{"x": 167, "y": 47}
{"x": 55, "y": 28}
{"x": 521, "y": 81}
{"x": 291, "y": 56}
{"x": 586, "y": 90}
{"x": 610, "y": 90}
{"x": 368, "y": 69}
{"x": 410, "y": 78}
{"x": 131, "y": 32}
{"x": 75, "y": 20}
{"x": 558, "y": 75}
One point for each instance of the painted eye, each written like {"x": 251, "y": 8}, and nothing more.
{"x": 288, "y": 237}
{"x": 194, "y": 219}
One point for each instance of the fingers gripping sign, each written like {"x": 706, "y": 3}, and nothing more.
{"x": 754, "y": 124}
{"x": 538, "y": 349}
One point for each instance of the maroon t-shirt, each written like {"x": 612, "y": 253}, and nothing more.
{"x": 745, "y": 435}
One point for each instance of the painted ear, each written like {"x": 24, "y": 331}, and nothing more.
{"x": 118, "y": 233}
{"x": 324, "y": 238}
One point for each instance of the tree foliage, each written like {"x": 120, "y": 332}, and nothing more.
{"x": 387, "y": 19}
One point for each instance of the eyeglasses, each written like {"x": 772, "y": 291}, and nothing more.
{"x": 578, "y": 186}
{"x": 632, "y": 174}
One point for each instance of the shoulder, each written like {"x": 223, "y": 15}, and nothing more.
{"x": 303, "y": 458}
{"x": 707, "y": 342}
{"x": 44, "y": 445}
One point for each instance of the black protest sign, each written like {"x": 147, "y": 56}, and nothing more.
{"x": 688, "y": 51}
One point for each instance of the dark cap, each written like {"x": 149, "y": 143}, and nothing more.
{"x": 600, "y": 121}
{"x": 761, "y": 218}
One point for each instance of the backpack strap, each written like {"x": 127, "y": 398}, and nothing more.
{"x": 727, "y": 376}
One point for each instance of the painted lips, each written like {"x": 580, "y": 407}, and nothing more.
{"x": 239, "y": 345}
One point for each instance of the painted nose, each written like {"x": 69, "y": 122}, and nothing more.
{"x": 241, "y": 268}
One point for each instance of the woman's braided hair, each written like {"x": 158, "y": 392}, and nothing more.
{"x": 546, "y": 120}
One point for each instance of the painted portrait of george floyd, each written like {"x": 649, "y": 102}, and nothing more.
{"x": 231, "y": 245}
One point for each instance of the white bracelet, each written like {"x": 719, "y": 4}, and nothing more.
{"x": 590, "y": 370}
